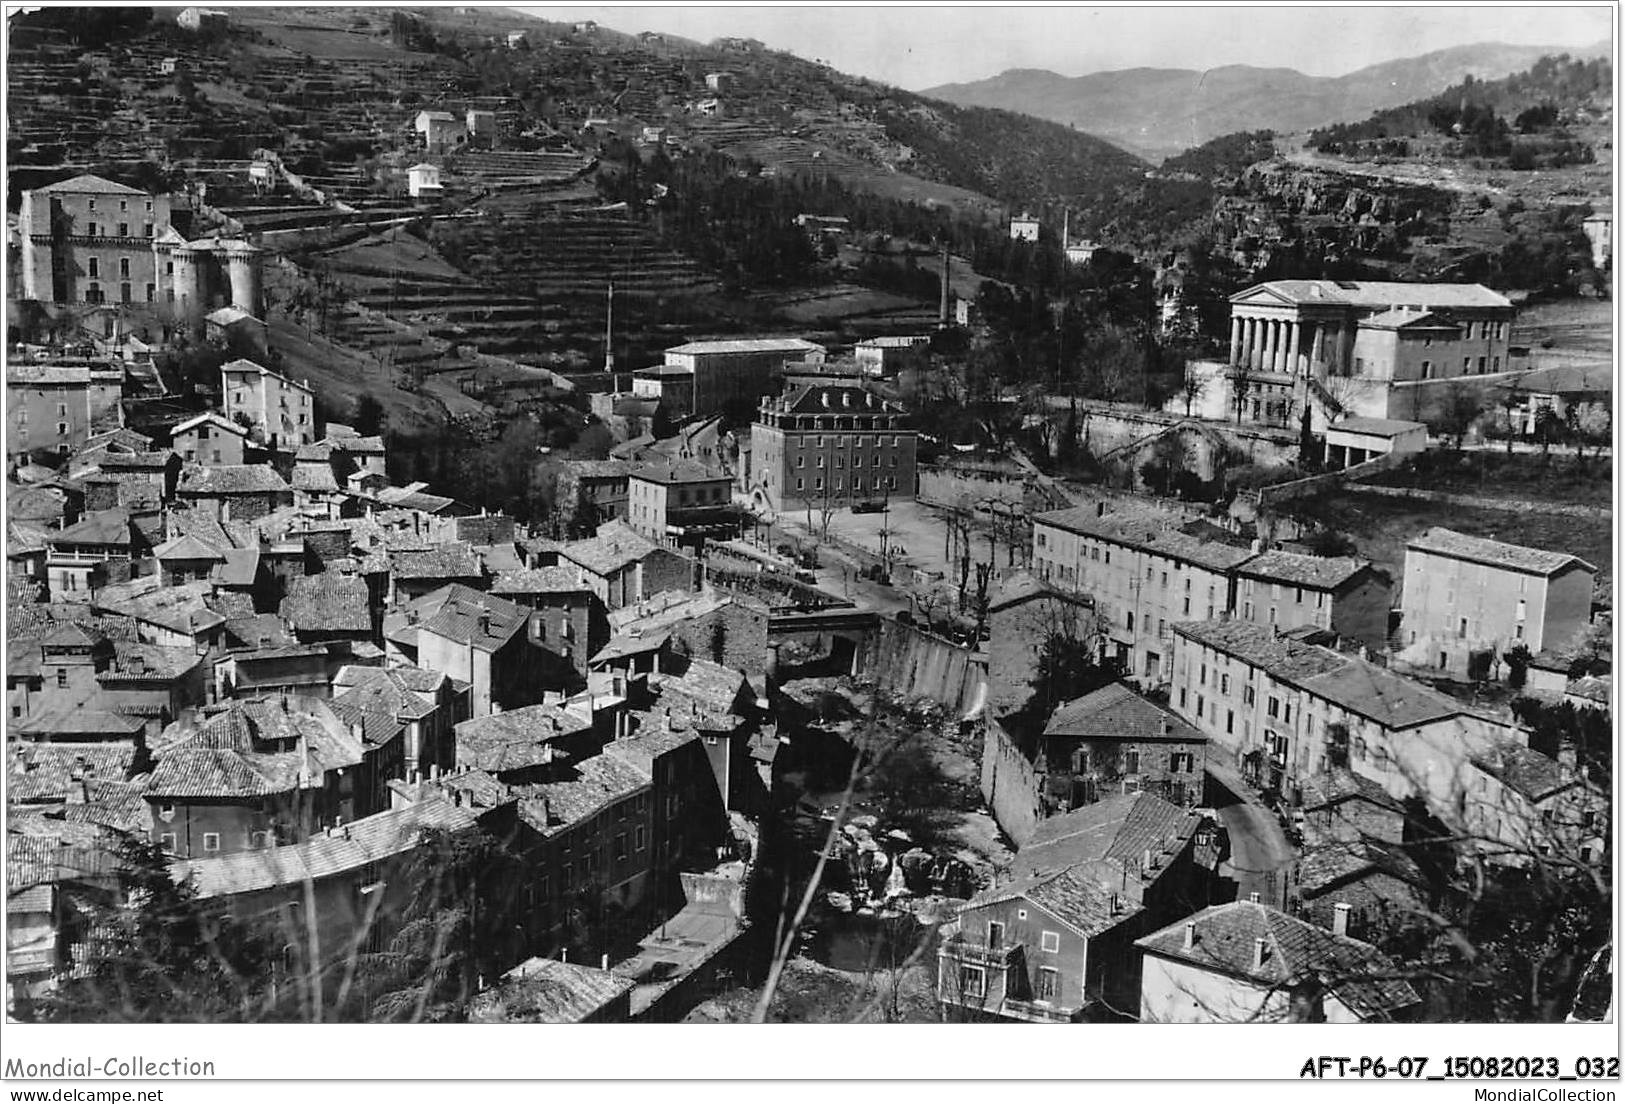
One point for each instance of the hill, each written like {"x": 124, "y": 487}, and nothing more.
{"x": 1157, "y": 113}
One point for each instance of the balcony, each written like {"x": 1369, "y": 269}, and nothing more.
{"x": 973, "y": 952}
{"x": 1037, "y": 1011}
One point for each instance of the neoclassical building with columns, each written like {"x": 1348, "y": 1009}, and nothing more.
{"x": 1359, "y": 347}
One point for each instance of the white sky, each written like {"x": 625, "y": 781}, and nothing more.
{"x": 920, "y": 46}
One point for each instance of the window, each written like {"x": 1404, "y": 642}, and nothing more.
{"x": 995, "y": 935}
{"x": 258, "y": 840}
{"x": 973, "y": 981}
{"x": 1427, "y": 369}
{"x": 1182, "y": 697}
{"x": 147, "y": 231}
{"x": 1128, "y": 620}
{"x": 640, "y": 837}
{"x": 94, "y": 230}
{"x": 1202, "y": 678}
{"x": 1483, "y": 365}
{"x": 61, "y": 676}
{"x": 1247, "y": 610}
{"x": 1247, "y": 695}
{"x": 167, "y": 842}
{"x": 124, "y": 232}
{"x": 1466, "y": 365}
{"x": 1131, "y": 757}
{"x": 1274, "y": 707}
{"x": 1047, "y": 985}
{"x": 93, "y": 267}
{"x": 620, "y": 845}
{"x": 211, "y": 841}
{"x": 1187, "y": 604}
{"x": 152, "y": 293}
{"x": 800, "y": 484}
{"x": 1224, "y": 684}
{"x": 1461, "y": 629}
{"x": 91, "y": 205}
{"x": 1164, "y": 580}
{"x": 1050, "y": 941}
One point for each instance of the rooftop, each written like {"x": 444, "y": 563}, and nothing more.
{"x": 1298, "y": 569}
{"x": 516, "y": 739}
{"x": 750, "y": 345}
{"x": 451, "y": 560}
{"x": 1525, "y": 771}
{"x": 1225, "y": 940}
{"x": 1494, "y": 553}
{"x": 681, "y": 471}
{"x": 1117, "y": 829}
{"x": 252, "y": 749}
{"x": 467, "y": 616}
{"x": 330, "y": 602}
{"x": 615, "y": 546}
{"x": 545, "y": 990}
{"x": 1379, "y": 294}
{"x": 231, "y": 479}
{"x": 1117, "y": 712}
{"x": 368, "y": 840}
{"x": 540, "y": 580}
{"x": 1375, "y": 427}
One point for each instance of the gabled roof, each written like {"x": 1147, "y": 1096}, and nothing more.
{"x": 329, "y": 602}
{"x": 681, "y": 471}
{"x": 231, "y": 479}
{"x": 108, "y": 527}
{"x": 1117, "y": 829}
{"x": 451, "y": 560}
{"x": 1116, "y": 712}
{"x": 1224, "y": 940}
{"x": 1494, "y": 553}
{"x": 540, "y": 580}
{"x": 240, "y": 567}
{"x": 467, "y": 616}
{"x": 1374, "y": 427}
{"x": 1525, "y": 771}
{"x": 750, "y": 345}
{"x": 41, "y": 772}
{"x": 546, "y": 990}
{"x": 1298, "y": 569}
{"x": 65, "y": 720}
{"x": 516, "y": 739}
{"x": 368, "y": 840}
{"x": 615, "y": 546}
{"x": 209, "y": 417}
{"x": 186, "y": 548}
{"x": 86, "y": 184}
{"x": 252, "y": 749}
{"x": 1397, "y": 319}
{"x": 182, "y": 609}
{"x": 1374, "y": 294}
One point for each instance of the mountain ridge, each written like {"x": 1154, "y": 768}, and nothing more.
{"x": 1158, "y": 112}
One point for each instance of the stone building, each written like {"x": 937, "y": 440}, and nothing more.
{"x": 91, "y": 240}
{"x": 1113, "y": 742}
{"x": 1367, "y": 348}
{"x": 834, "y": 442}
{"x": 1468, "y": 596}
{"x": 52, "y": 408}
{"x": 740, "y": 370}
{"x": 681, "y": 503}
{"x": 284, "y": 409}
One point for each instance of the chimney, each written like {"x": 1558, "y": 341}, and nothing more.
{"x": 1340, "y": 918}
{"x": 485, "y": 624}
{"x": 1190, "y": 934}
{"x": 942, "y": 306}
{"x": 1116, "y": 904}
{"x": 346, "y": 831}
{"x": 355, "y": 729}
{"x": 604, "y": 963}
{"x": 1253, "y": 897}
{"x": 1260, "y": 951}
{"x": 1167, "y": 728}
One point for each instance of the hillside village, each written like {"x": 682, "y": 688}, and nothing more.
{"x": 585, "y": 518}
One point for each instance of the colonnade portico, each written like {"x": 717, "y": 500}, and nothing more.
{"x": 1288, "y": 346}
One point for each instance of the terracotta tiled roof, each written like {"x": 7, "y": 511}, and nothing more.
{"x": 329, "y": 602}
{"x": 615, "y": 546}
{"x": 517, "y": 738}
{"x": 1117, "y": 712}
{"x": 452, "y": 560}
{"x": 540, "y": 580}
{"x": 368, "y": 840}
{"x": 545, "y": 990}
{"x": 1296, "y": 569}
{"x": 1119, "y": 829}
{"x": 467, "y": 616}
{"x": 252, "y": 749}
{"x": 231, "y": 479}
{"x": 38, "y": 772}
{"x": 1295, "y": 951}
{"x": 1448, "y": 542}
{"x": 1524, "y": 770}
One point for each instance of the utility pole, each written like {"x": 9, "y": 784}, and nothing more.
{"x": 609, "y": 334}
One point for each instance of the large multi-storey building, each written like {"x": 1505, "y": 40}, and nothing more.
{"x": 1469, "y": 595}
{"x": 53, "y": 408}
{"x": 738, "y": 370}
{"x": 1146, "y": 567}
{"x": 284, "y": 409}
{"x": 831, "y": 442}
{"x": 682, "y": 503}
{"x": 1283, "y": 710}
{"x": 1359, "y": 347}
{"x": 90, "y": 240}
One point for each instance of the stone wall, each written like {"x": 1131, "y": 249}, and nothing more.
{"x": 737, "y": 629}
{"x": 919, "y": 664}
{"x": 1009, "y": 785}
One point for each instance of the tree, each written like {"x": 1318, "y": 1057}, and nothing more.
{"x": 1547, "y": 427}
{"x": 1517, "y": 660}
{"x": 1192, "y": 384}
{"x": 1460, "y": 409}
{"x": 457, "y": 928}
{"x": 159, "y": 956}
{"x": 1594, "y": 425}
{"x": 1512, "y": 406}
{"x": 370, "y": 418}
{"x": 1308, "y": 443}
{"x": 1241, "y": 383}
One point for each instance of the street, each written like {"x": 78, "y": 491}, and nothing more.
{"x": 1260, "y": 855}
